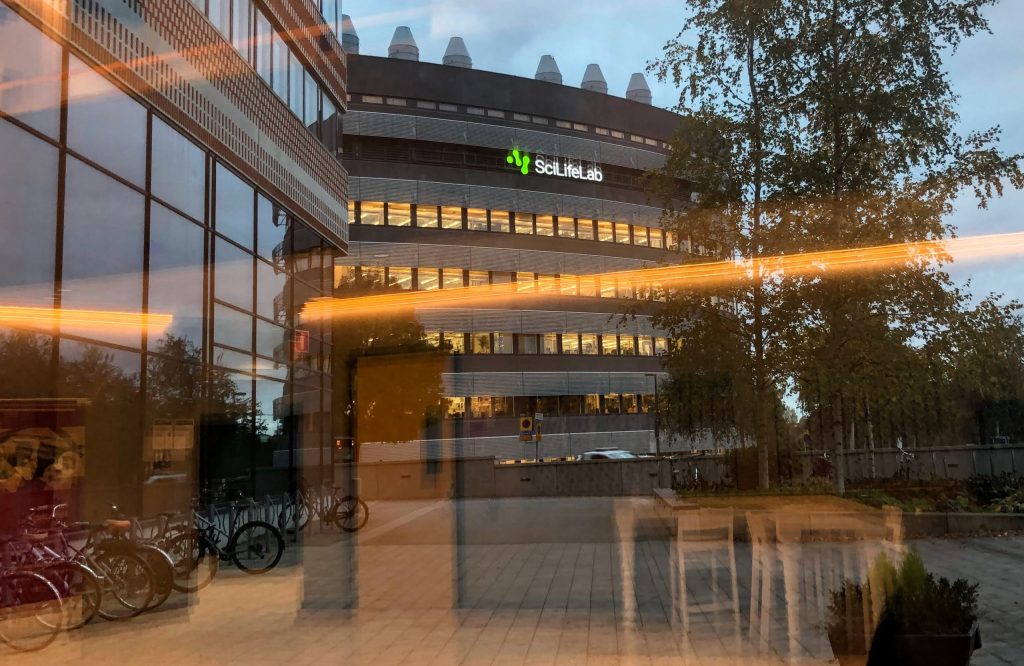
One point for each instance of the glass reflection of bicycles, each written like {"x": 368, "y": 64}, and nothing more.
{"x": 255, "y": 548}
{"x": 348, "y": 513}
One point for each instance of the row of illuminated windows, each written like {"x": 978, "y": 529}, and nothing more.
{"x": 510, "y": 115}
{"x": 265, "y": 47}
{"x": 488, "y": 407}
{"x": 376, "y": 213}
{"x": 587, "y": 344}
{"x": 430, "y": 279}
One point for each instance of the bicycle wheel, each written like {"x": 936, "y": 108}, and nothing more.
{"x": 80, "y": 591}
{"x": 351, "y": 513}
{"x": 127, "y": 584}
{"x": 31, "y": 613}
{"x": 256, "y": 547}
{"x": 163, "y": 573}
{"x": 195, "y": 561}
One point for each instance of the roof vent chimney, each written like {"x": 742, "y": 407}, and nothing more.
{"x": 457, "y": 55}
{"x": 403, "y": 46}
{"x": 547, "y": 70}
{"x": 593, "y": 79}
{"x": 638, "y": 90}
{"x": 349, "y": 38}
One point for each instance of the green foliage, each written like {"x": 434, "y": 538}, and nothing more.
{"x": 986, "y": 489}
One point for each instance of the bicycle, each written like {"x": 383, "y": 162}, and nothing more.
{"x": 255, "y": 547}
{"x": 31, "y": 611}
{"x": 348, "y": 513}
{"x": 905, "y": 465}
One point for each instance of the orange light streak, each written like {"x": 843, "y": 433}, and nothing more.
{"x": 36, "y": 318}
{"x": 685, "y": 276}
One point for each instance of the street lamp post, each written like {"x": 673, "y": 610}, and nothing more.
{"x": 657, "y": 415}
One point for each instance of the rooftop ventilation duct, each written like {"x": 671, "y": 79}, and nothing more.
{"x": 349, "y": 38}
{"x": 403, "y": 46}
{"x": 638, "y": 90}
{"x": 547, "y": 70}
{"x": 457, "y": 55}
{"x": 593, "y": 79}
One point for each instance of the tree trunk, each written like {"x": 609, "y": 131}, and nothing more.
{"x": 871, "y": 439}
{"x": 838, "y": 450}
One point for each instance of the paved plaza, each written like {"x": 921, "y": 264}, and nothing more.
{"x": 535, "y": 581}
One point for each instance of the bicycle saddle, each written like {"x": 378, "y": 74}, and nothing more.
{"x": 117, "y": 526}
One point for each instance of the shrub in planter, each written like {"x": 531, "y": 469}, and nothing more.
{"x": 920, "y": 619}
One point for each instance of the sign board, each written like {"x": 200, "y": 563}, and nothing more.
{"x": 300, "y": 342}
{"x": 525, "y": 429}
{"x": 538, "y": 417}
{"x": 562, "y": 167}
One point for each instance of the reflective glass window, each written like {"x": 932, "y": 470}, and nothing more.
{"x": 219, "y": 12}
{"x": 627, "y": 345}
{"x": 645, "y": 345}
{"x": 269, "y": 337}
{"x": 451, "y": 217}
{"x": 570, "y": 343}
{"x": 232, "y": 328}
{"x": 329, "y": 126}
{"x": 312, "y": 106}
{"x": 432, "y": 338}
{"x": 526, "y": 281}
{"x": 629, "y": 404}
{"x": 455, "y": 341}
{"x": 233, "y": 360}
{"x": 234, "y": 207}
{"x": 500, "y": 221}
{"x": 547, "y": 283}
{"x": 270, "y": 286}
{"x": 591, "y": 404}
{"x": 452, "y": 278}
{"x": 296, "y": 85}
{"x": 481, "y": 343}
{"x": 588, "y": 286}
{"x": 30, "y": 74}
{"x": 605, "y": 231}
{"x": 610, "y": 345}
{"x": 545, "y": 225}
{"x": 585, "y": 229}
{"x": 373, "y": 274}
{"x": 657, "y": 238}
{"x": 476, "y": 219}
{"x": 426, "y": 216}
{"x": 455, "y": 408}
{"x": 179, "y": 170}
{"x": 502, "y": 406}
{"x": 566, "y": 227}
{"x": 671, "y": 240}
{"x": 280, "y": 65}
{"x": 624, "y": 289}
{"x": 588, "y": 344}
{"x": 269, "y": 423}
{"x": 503, "y": 343}
{"x": 479, "y": 278}
{"x": 612, "y": 403}
{"x": 549, "y": 343}
{"x": 233, "y": 279}
{"x": 569, "y": 285}
{"x": 400, "y": 277}
{"x": 480, "y": 407}
{"x": 105, "y": 125}
{"x": 262, "y": 46}
{"x": 104, "y": 228}
{"x": 607, "y": 288}
{"x": 271, "y": 228}
{"x": 241, "y": 14}
{"x": 622, "y": 233}
{"x": 372, "y": 213}
{"x": 523, "y": 223}
{"x": 660, "y": 346}
{"x": 176, "y": 272}
{"x": 428, "y": 279}
{"x": 399, "y": 215}
{"x": 28, "y": 192}
{"x": 640, "y": 236}
{"x": 528, "y": 344}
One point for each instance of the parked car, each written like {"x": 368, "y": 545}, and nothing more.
{"x": 609, "y": 453}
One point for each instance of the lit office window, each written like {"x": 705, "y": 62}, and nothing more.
{"x": 591, "y": 404}
{"x": 657, "y": 238}
{"x": 428, "y": 279}
{"x": 547, "y": 284}
{"x": 503, "y": 343}
{"x": 500, "y": 221}
{"x": 426, "y": 217}
{"x": 624, "y": 289}
{"x": 570, "y": 343}
{"x": 480, "y": 406}
{"x": 629, "y": 405}
{"x": 607, "y": 288}
{"x": 476, "y": 219}
{"x": 501, "y": 277}
{"x": 609, "y": 345}
{"x": 479, "y": 278}
{"x": 373, "y": 274}
{"x": 640, "y": 236}
{"x": 588, "y": 286}
{"x": 612, "y": 403}
{"x": 455, "y": 341}
{"x": 502, "y": 406}
{"x": 452, "y": 278}
{"x": 646, "y": 345}
{"x": 605, "y": 231}
{"x": 671, "y": 240}
{"x": 481, "y": 343}
{"x": 371, "y": 213}
{"x": 545, "y": 225}
{"x": 523, "y": 223}
{"x": 399, "y": 215}
{"x": 566, "y": 227}
{"x": 451, "y": 217}
{"x": 588, "y": 344}
{"x": 526, "y": 281}
{"x": 569, "y": 285}
{"x": 455, "y": 408}
{"x": 432, "y": 338}
{"x": 400, "y": 277}
{"x": 352, "y": 212}
{"x": 627, "y": 345}
{"x": 550, "y": 344}
{"x": 647, "y": 404}
{"x": 585, "y": 229}
{"x": 622, "y": 233}
{"x": 344, "y": 275}
{"x": 660, "y": 346}
{"x": 528, "y": 344}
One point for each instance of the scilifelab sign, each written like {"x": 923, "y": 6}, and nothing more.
{"x": 561, "y": 167}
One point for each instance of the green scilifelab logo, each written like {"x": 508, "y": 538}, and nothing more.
{"x": 520, "y": 159}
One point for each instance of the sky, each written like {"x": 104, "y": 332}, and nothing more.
{"x": 509, "y": 36}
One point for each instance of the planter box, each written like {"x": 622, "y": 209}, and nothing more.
{"x": 910, "y": 650}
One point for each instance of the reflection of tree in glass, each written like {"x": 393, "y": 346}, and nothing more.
{"x": 175, "y": 384}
